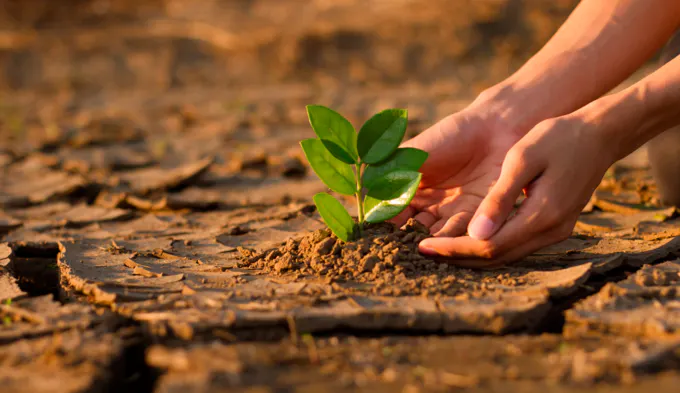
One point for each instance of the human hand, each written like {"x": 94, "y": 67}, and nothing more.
{"x": 558, "y": 164}
{"x": 466, "y": 151}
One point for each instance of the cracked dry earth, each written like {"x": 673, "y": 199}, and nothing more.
{"x": 156, "y": 232}
{"x": 202, "y": 267}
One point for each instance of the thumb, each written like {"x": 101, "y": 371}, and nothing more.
{"x": 516, "y": 173}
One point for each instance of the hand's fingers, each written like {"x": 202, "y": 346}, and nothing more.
{"x": 454, "y": 245}
{"x": 537, "y": 223}
{"x": 425, "y": 218}
{"x": 453, "y": 213}
{"x": 402, "y": 217}
{"x": 456, "y": 225}
{"x": 517, "y": 172}
{"x": 520, "y": 229}
{"x": 448, "y": 146}
{"x": 426, "y": 197}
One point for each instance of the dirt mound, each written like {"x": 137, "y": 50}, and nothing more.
{"x": 385, "y": 256}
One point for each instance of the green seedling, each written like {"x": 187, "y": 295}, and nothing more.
{"x": 368, "y": 165}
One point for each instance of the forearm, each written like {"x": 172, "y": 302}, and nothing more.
{"x": 599, "y": 45}
{"x": 637, "y": 114}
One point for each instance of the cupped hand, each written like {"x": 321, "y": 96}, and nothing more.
{"x": 558, "y": 164}
{"x": 466, "y": 151}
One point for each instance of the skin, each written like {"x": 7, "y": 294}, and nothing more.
{"x": 546, "y": 132}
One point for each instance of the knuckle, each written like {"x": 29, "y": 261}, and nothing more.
{"x": 548, "y": 124}
{"x": 494, "y": 201}
{"x": 490, "y": 251}
{"x": 518, "y": 157}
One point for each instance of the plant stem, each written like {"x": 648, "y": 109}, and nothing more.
{"x": 359, "y": 195}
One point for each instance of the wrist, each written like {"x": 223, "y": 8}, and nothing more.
{"x": 515, "y": 105}
{"x": 614, "y": 120}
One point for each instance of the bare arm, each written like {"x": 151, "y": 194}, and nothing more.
{"x": 560, "y": 162}
{"x": 637, "y": 114}
{"x": 533, "y": 130}
{"x": 601, "y": 43}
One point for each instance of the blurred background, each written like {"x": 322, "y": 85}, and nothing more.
{"x": 101, "y": 87}
{"x": 86, "y": 46}
{"x": 354, "y": 55}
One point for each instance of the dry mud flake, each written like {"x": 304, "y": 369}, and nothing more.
{"x": 81, "y": 215}
{"x": 8, "y": 224}
{"x": 426, "y": 364}
{"x": 154, "y": 179}
{"x": 9, "y": 289}
{"x": 104, "y": 131}
{"x": 106, "y": 274}
{"x": 258, "y": 306}
{"x": 242, "y": 190}
{"x": 20, "y": 189}
{"x": 111, "y": 158}
{"x": 5, "y": 252}
{"x": 70, "y": 362}
{"x": 246, "y": 217}
{"x": 602, "y": 222}
{"x": 267, "y": 234}
{"x": 313, "y": 283}
{"x": 149, "y": 225}
{"x": 58, "y": 214}
{"x": 39, "y": 316}
{"x": 606, "y": 254}
{"x": 647, "y": 304}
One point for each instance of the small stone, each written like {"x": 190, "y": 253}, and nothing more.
{"x": 443, "y": 267}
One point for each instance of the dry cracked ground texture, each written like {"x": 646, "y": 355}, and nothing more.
{"x": 152, "y": 246}
{"x": 132, "y": 264}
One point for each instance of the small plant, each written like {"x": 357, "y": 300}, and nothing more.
{"x": 368, "y": 165}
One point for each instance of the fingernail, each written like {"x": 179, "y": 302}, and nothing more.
{"x": 426, "y": 250}
{"x": 481, "y": 228}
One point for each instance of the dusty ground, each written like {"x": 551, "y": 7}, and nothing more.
{"x": 156, "y": 231}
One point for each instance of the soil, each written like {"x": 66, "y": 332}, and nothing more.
{"x": 156, "y": 231}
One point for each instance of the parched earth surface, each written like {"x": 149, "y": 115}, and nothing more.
{"x": 166, "y": 242}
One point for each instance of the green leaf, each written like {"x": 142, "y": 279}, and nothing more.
{"x": 335, "y": 216}
{"x": 335, "y": 174}
{"x": 336, "y": 133}
{"x": 379, "y": 211}
{"x": 394, "y": 184}
{"x": 408, "y": 159}
{"x": 380, "y": 136}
